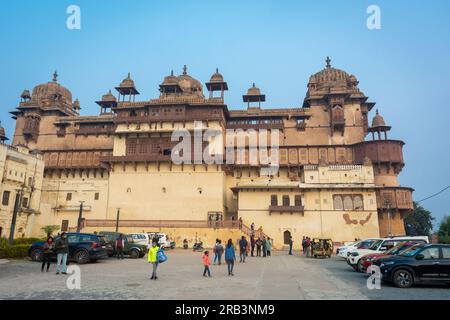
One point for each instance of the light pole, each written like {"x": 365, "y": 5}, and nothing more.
{"x": 117, "y": 220}
{"x": 14, "y": 217}
{"x": 80, "y": 216}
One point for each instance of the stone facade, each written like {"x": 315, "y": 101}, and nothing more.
{"x": 331, "y": 181}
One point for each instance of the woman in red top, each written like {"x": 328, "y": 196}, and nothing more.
{"x": 206, "y": 264}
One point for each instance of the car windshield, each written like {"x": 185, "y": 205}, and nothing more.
{"x": 375, "y": 245}
{"x": 130, "y": 239}
{"x": 365, "y": 244}
{"x": 398, "y": 249}
{"x": 411, "y": 251}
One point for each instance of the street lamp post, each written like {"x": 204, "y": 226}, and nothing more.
{"x": 117, "y": 220}
{"x": 80, "y": 216}
{"x": 14, "y": 217}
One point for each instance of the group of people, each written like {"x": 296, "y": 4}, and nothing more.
{"x": 306, "y": 246}
{"x": 61, "y": 248}
{"x": 219, "y": 250}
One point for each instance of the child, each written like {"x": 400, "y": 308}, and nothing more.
{"x": 206, "y": 263}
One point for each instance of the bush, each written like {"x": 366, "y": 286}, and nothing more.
{"x": 3, "y": 242}
{"x": 28, "y": 241}
{"x": 14, "y": 251}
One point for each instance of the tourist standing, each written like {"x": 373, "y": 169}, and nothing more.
{"x": 291, "y": 242}
{"x": 241, "y": 222}
{"x": 308, "y": 247}
{"x": 268, "y": 246}
{"x": 243, "y": 245}
{"x": 206, "y": 264}
{"x": 153, "y": 258}
{"x": 304, "y": 245}
{"x": 252, "y": 244}
{"x": 230, "y": 257}
{"x": 62, "y": 251}
{"x": 120, "y": 243}
{"x": 252, "y": 227}
{"x": 220, "y": 250}
{"x": 264, "y": 247}
{"x": 258, "y": 247}
{"x": 47, "y": 252}
{"x": 216, "y": 255}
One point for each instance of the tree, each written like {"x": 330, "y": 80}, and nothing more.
{"x": 49, "y": 230}
{"x": 420, "y": 222}
{"x": 444, "y": 230}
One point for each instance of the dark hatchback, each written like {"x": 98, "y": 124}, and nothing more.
{"x": 428, "y": 263}
{"x": 83, "y": 248}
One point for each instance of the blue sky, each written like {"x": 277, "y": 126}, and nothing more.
{"x": 404, "y": 67}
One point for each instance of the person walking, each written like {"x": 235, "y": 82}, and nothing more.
{"x": 264, "y": 247}
{"x": 241, "y": 222}
{"x": 252, "y": 227}
{"x": 216, "y": 256}
{"x": 206, "y": 264}
{"x": 230, "y": 257}
{"x": 220, "y": 250}
{"x": 47, "y": 252}
{"x": 268, "y": 246}
{"x": 120, "y": 243}
{"x": 252, "y": 244}
{"x": 153, "y": 258}
{"x": 291, "y": 242}
{"x": 62, "y": 251}
{"x": 304, "y": 245}
{"x": 258, "y": 247}
{"x": 243, "y": 245}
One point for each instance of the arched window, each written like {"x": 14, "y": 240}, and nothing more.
{"x": 358, "y": 202}
{"x": 338, "y": 203}
{"x": 287, "y": 237}
{"x": 348, "y": 203}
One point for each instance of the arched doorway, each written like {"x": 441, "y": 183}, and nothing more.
{"x": 287, "y": 237}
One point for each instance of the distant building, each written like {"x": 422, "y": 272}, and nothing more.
{"x": 331, "y": 181}
{"x": 22, "y": 175}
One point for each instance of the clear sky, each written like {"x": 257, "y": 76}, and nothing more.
{"x": 404, "y": 67}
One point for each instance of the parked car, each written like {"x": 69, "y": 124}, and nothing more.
{"x": 132, "y": 249}
{"x": 366, "y": 261}
{"x": 419, "y": 263}
{"x": 378, "y": 246}
{"x": 163, "y": 239}
{"x": 140, "y": 238}
{"x": 83, "y": 248}
{"x": 343, "y": 251}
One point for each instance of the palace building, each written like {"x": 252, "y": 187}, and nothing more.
{"x": 337, "y": 175}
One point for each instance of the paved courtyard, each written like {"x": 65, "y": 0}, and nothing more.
{"x": 278, "y": 277}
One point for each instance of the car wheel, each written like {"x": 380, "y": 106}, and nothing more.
{"x": 134, "y": 253}
{"x": 361, "y": 267}
{"x": 403, "y": 279}
{"x": 36, "y": 255}
{"x": 82, "y": 257}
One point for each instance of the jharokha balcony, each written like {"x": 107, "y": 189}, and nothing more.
{"x": 286, "y": 209}
{"x": 395, "y": 198}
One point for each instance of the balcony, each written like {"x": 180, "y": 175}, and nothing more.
{"x": 395, "y": 198}
{"x": 286, "y": 209}
{"x": 380, "y": 151}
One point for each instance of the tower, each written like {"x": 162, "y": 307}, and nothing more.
{"x": 216, "y": 83}
{"x": 107, "y": 103}
{"x": 127, "y": 88}
{"x": 254, "y": 95}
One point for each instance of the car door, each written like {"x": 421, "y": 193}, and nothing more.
{"x": 428, "y": 268}
{"x": 73, "y": 243}
{"x": 445, "y": 263}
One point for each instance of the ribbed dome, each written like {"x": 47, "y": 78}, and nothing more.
{"x": 189, "y": 85}
{"x": 109, "y": 97}
{"x": 253, "y": 91}
{"x": 170, "y": 80}
{"x": 332, "y": 78}
{"x": 127, "y": 82}
{"x": 378, "y": 121}
{"x": 216, "y": 77}
{"x": 52, "y": 91}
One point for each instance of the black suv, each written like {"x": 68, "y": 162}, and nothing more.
{"x": 83, "y": 248}
{"x": 420, "y": 263}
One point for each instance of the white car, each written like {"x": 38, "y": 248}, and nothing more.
{"x": 140, "y": 238}
{"x": 377, "y": 246}
{"x": 163, "y": 240}
{"x": 348, "y": 247}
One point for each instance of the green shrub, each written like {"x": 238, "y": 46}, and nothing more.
{"x": 3, "y": 242}
{"x": 26, "y": 240}
{"x": 15, "y": 251}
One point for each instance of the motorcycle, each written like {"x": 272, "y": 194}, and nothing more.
{"x": 198, "y": 246}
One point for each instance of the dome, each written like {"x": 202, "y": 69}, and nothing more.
{"x": 52, "y": 91}
{"x": 170, "y": 80}
{"x": 378, "y": 121}
{"x": 332, "y": 78}
{"x": 216, "y": 77}
{"x": 253, "y": 91}
{"x": 109, "y": 97}
{"x": 189, "y": 85}
{"x": 127, "y": 82}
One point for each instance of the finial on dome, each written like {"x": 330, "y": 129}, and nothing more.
{"x": 55, "y": 76}
{"x": 328, "y": 61}
{"x": 217, "y": 70}
{"x": 185, "y": 70}
{"x": 254, "y": 85}
{"x": 171, "y": 73}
